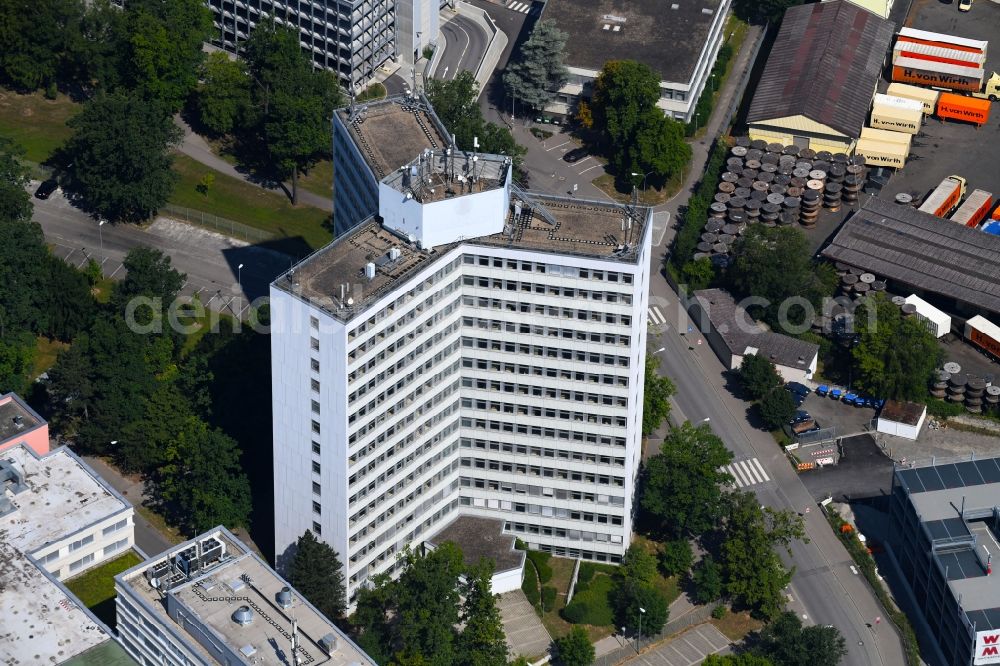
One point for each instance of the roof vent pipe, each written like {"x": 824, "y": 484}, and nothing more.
{"x": 243, "y": 616}
{"x": 284, "y": 597}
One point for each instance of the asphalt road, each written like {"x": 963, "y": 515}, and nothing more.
{"x": 823, "y": 589}
{"x": 465, "y": 47}
{"x": 209, "y": 260}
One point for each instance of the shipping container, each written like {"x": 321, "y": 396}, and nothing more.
{"x": 974, "y": 209}
{"x": 898, "y": 120}
{"x": 953, "y": 77}
{"x": 983, "y": 333}
{"x": 896, "y": 102}
{"x": 960, "y": 107}
{"x": 937, "y": 322}
{"x": 882, "y": 153}
{"x": 943, "y": 199}
{"x": 926, "y": 96}
{"x": 940, "y": 39}
{"x": 940, "y": 54}
{"x": 887, "y": 136}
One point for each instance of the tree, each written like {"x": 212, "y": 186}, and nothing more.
{"x": 895, "y": 356}
{"x": 17, "y": 353}
{"x": 70, "y": 386}
{"x": 293, "y": 101}
{"x": 635, "y": 135}
{"x": 575, "y": 648}
{"x": 70, "y": 306}
{"x": 317, "y": 573}
{"x": 23, "y": 280}
{"x": 638, "y": 565}
{"x": 427, "y": 603}
{"x": 144, "y": 443}
{"x": 163, "y": 48}
{"x": 456, "y": 103}
{"x": 656, "y": 396}
{"x": 676, "y": 557}
{"x": 682, "y": 485}
{"x": 775, "y": 263}
{"x": 630, "y": 597}
{"x": 539, "y": 72}
{"x": 222, "y": 100}
{"x": 785, "y": 642}
{"x": 201, "y": 483}
{"x": 373, "y": 604}
{"x": 698, "y": 274}
{"x": 584, "y": 115}
{"x": 742, "y": 659}
{"x": 758, "y": 376}
{"x": 763, "y": 10}
{"x": 15, "y": 203}
{"x": 777, "y": 408}
{"x": 118, "y": 157}
{"x": 707, "y": 580}
{"x": 482, "y": 641}
{"x": 96, "y": 50}
{"x": 754, "y": 574}
{"x": 148, "y": 273}
{"x": 35, "y": 36}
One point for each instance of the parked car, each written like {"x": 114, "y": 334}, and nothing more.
{"x": 800, "y": 416}
{"x": 964, "y": 5}
{"x": 798, "y": 389}
{"x": 575, "y": 155}
{"x": 46, "y": 188}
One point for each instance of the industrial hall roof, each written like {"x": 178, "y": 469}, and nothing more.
{"x": 825, "y": 65}
{"x": 921, "y": 250}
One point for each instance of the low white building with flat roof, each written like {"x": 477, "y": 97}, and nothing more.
{"x": 211, "y": 600}
{"x": 57, "y": 520}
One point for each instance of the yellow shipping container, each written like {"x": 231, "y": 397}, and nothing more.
{"x": 887, "y": 136}
{"x": 897, "y": 120}
{"x": 882, "y": 153}
{"x": 925, "y": 96}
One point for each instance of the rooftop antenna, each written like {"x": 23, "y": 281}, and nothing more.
{"x": 296, "y": 659}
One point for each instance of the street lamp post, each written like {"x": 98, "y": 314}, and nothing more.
{"x": 638, "y": 636}
{"x": 644, "y": 177}
{"x": 100, "y": 233}
{"x": 239, "y": 276}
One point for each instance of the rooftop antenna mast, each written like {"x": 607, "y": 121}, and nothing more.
{"x": 296, "y": 659}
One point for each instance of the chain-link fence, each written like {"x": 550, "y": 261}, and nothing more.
{"x": 214, "y": 222}
{"x": 628, "y": 651}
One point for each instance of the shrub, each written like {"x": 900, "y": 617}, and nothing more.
{"x": 694, "y": 216}
{"x": 676, "y": 557}
{"x": 541, "y": 562}
{"x": 592, "y": 606}
{"x": 940, "y": 409}
{"x": 707, "y": 581}
{"x": 520, "y": 545}
{"x": 548, "y": 598}
{"x": 581, "y": 586}
{"x": 585, "y": 574}
{"x": 719, "y": 612}
{"x": 530, "y": 585}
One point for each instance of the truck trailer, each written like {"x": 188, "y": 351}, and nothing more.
{"x": 960, "y": 107}
{"x": 984, "y": 334}
{"x": 974, "y": 209}
{"x": 928, "y": 97}
{"x": 945, "y": 197}
{"x": 915, "y": 36}
{"x": 938, "y": 75}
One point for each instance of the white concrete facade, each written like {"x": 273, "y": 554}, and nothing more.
{"x": 504, "y": 382}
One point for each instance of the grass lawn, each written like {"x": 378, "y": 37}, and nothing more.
{"x": 96, "y": 588}
{"x": 736, "y": 626}
{"x": 319, "y": 179}
{"x": 46, "y": 352}
{"x": 160, "y": 524}
{"x": 235, "y": 199}
{"x": 36, "y": 123}
{"x": 372, "y": 92}
{"x": 650, "y": 197}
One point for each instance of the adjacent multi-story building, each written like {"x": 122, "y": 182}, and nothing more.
{"x": 372, "y": 140}
{"x": 350, "y": 37}
{"x": 19, "y": 424}
{"x": 472, "y": 350}
{"x": 944, "y": 527}
{"x": 678, "y": 39}
{"x": 212, "y": 600}
{"x": 58, "y": 519}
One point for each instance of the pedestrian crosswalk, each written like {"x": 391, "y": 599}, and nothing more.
{"x": 656, "y": 317}
{"x": 747, "y": 472}
{"x": 523, "y": 7}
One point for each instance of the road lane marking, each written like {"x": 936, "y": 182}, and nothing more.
{"x": 747, "y": 472}
{"x": 559, "y": 146}
{"x": 596, "y": 166}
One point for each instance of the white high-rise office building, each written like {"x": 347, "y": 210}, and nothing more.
{"x": 472, "y": 350}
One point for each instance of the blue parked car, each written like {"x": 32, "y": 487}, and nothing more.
{"x": 836, "y": 393}
{"x": 849, "y": 398}
{"x": 822, "y": 390}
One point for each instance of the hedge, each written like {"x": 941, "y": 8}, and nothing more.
{"x": 548, "y": 597}
{"x": 541, "y": 562}
{"x": 696, "y": 214}
{"x": 588, "y": 569}
{"x": 866, "y": 564}
{"x": 940, "y": 409}
{"x": 530, "y": 586}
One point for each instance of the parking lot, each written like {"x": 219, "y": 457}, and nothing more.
{"x": 863, "y": 471}
{"x": 949, "y": 147}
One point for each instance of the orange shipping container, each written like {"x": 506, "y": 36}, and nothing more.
{"x": 960, "y": 107}
{"x": 938, "y": 79}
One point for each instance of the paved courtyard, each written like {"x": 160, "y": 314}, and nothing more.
{"x": 688, "y": 649}
{"x": 526, "y": 635}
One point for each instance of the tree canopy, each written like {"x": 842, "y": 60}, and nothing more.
{"x": 15, "y": 202}
{"x": 575, "y": 648}
{"x": 776, "y": 408}
{"x": 538, "y": 71}
{"x": 761, "y": 11}
{"x": 118, "y": 158}
{"x": 758, "y": 376}
{"x": 317, "y": 573}
{"x": 895, "y": 356}
{"x": 222, "y": 101}
{"x": 785, "y": 642}
{"x": 635, "y": 135}
{"x": 775, "y": 263}
{"x": 656, "y": 396}
{"x": 482, "y": 641}
{"x": 682, "y": 485}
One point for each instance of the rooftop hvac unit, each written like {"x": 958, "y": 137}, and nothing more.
{"x": 188, "y": 560}
{"x": 394, "y": 253}
{"x": 243, "y": 616}
{"x": 284, "y": 597}
{"x": 370, "y": 270}
{"x": 328, "y": 643}
{"x": 212, "y": 550}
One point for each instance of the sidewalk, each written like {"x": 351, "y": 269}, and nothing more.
{"x": 195, "y": 147}
{"x": 680, "y": 608}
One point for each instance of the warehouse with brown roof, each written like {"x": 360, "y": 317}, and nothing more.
{"x": 820, "y": 79}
